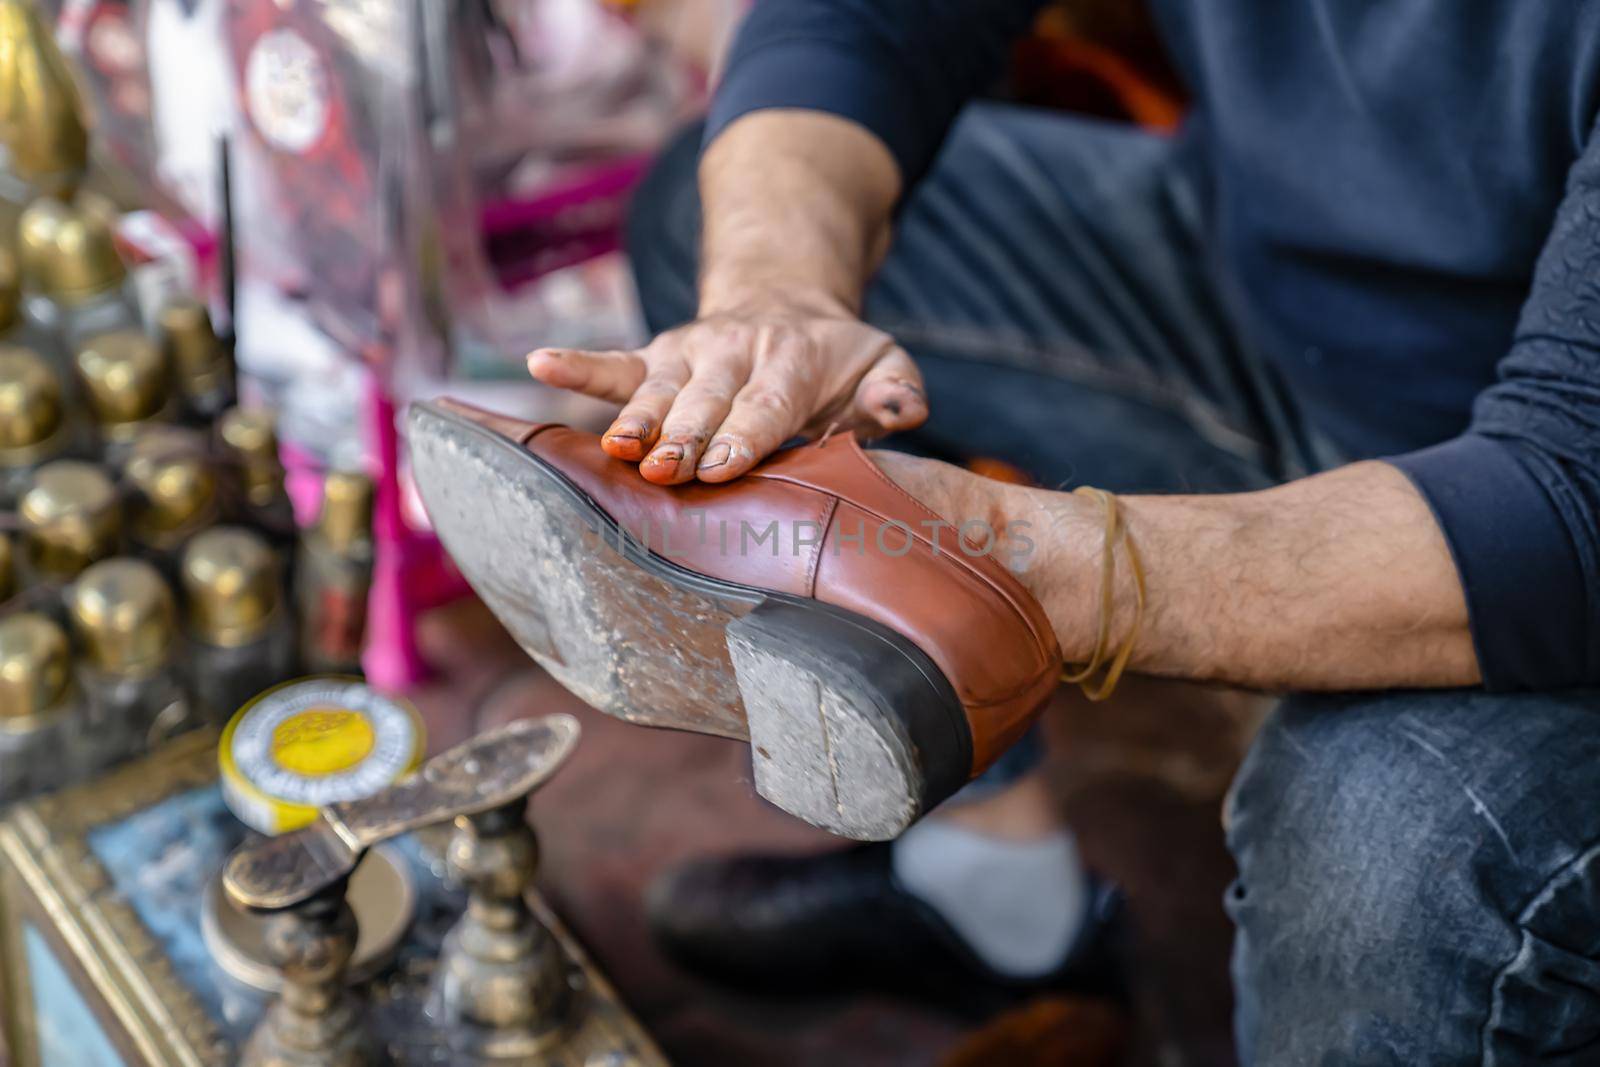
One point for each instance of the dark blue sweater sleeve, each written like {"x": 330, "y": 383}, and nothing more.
{"x": 901, "y": 68}
{"x": 1518, "y": 495}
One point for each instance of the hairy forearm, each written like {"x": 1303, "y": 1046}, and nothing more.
{"x": 1339, "y": 581}
{"x": 796, "y": 206}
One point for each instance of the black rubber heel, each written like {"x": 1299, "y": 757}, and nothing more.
{"x": 852, "y": 727}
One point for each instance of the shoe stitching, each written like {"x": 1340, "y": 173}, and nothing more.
{"x": 825, "y": 519}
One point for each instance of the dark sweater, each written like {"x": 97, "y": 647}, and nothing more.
{"x": 1404, "y": 200}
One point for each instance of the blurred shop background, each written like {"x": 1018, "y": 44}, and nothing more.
{"x": 375, "y": 201}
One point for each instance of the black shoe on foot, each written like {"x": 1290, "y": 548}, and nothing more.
{"x": 840, "y": 922}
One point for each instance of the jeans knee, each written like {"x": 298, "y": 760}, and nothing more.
{"x": 1380, "y": 878}
{"x": 1340, "y": 826}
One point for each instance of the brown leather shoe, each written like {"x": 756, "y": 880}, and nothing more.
{"x": 873, "y": 659}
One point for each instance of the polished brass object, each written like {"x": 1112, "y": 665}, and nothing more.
{"x": 41, "y": 116}
{"x": 251, "y": 437}
{"x": 124, "y": 616}
{"x": 199, "y": 361}
{"x": 58, "y": 888}
{"x": 241, "y": 636}
{"x": 125, "y": 382}
{"x": 32, "y": 412}
{"x": 125, "y": 620}
{"x": 33, "y": 420}
{"x": 35, "y": 666}
{"x": 381, "y": 892}
{"x": 230, "y": 581}
{"x": 70, "y": 519}
{"x": 315, "y": 1022}
{"x": 502, "y": 991}
{"x": 489, "y": 771}
{"x": 10, "y": 289}
{"x": 301, "y": 877}
{"x": 36, "y": 241}
{"x": 345, "y": 524}
{"x": 68, "y": 252}
{"x": 8, "y": 569}
{"x": 39, "y": 707}
{"x": 174, "y": 488}
{"x": 333, "y": 576}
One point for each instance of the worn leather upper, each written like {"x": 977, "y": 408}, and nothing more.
{"x": 822, "y": 521}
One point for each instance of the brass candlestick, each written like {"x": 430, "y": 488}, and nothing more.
{"x": 502, "y": 991}
{"x": 301, "y": 877}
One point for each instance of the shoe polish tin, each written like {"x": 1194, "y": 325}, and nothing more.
{"x": 310, "y": 743}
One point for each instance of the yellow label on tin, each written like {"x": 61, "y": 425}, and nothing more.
{"x": 323, "y": 740}
{"x": 307, "y": 744}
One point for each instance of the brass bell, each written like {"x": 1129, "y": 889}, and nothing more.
{"x": 35, "y": 665}
{"x": 67, "y": 251}
{"x": 41, "y": 116}
{"x": 31, "y": 408}
{"x": 124, "y": 616}
{"x": 70, "y": 519}
{"x": 175, "y": 487}
{"x": 230, "y": 583}
{"x": 125, "y": 381}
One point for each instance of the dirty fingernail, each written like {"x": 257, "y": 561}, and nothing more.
{"x": 899, "y": 397}
{"x": 716, "y": 456}
{"x": 626, "y": 429}
{"x": 666, "y": 454}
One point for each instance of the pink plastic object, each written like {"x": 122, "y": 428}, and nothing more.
{"x": 562, "y": 226}
{"x": 411, "y": 573}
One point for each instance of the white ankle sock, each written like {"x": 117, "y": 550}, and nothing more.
{"x": 1017, "y": 904}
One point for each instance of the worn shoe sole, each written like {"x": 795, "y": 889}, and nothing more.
{"x": 851, "y": 726}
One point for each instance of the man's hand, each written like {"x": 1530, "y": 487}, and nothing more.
{"x": 711, "y": 398}
{"x": 796, "y": 208}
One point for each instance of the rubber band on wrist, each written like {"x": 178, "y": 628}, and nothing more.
{"x": 1099, "y": 676}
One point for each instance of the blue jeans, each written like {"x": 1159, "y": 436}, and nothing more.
{"x": 1419, "y": 872}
